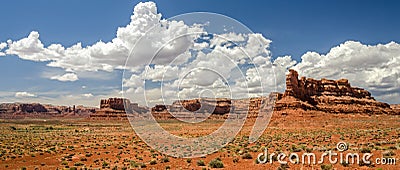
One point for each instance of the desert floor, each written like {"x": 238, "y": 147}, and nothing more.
{"x": 112, "y": 144}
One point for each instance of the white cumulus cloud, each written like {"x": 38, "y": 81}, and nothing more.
{"x": 237, "y": 63}
{"x": 107, "y": 56}
{"x": 2, "y": 46}
{"x": 65, "y": 77}
{"x": 24, "y": 94}
{"x": 373, "y": 67}
{"x": 88, "y": 95}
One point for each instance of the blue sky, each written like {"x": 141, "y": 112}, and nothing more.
{"x": 295, "y": 27}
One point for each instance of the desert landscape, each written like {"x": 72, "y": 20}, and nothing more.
{"x": 311, "y": 116}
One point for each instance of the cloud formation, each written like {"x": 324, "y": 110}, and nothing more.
{"x": 187, "y": 62}
{"x": 2, "y": 46}
{"x": 107, "y": 56}
{"x": 24, "y": 94}
{"x": 374, "y": 67}
{"x": 66, "y": 77}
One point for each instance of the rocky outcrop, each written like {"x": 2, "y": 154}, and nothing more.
{"x": 21, "y": 110}
{"x": 120, "y": 105}
{"x": 201, "y": 105}
{"x": 333, "y": 96}
{"x": 396, "y": 108}
{"x": 116, "y": 108}
{"x": 159, "y": 108}
{"x": 34, "y": 107}
{"x": 114, "y": 103}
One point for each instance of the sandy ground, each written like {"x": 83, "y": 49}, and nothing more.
{"x": 104, "y": 144}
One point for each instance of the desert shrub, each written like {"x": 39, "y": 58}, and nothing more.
{"x": 216, "y": 163}
{"x": 153, "y": 162}
{"x": 200, "y": 163}
{"x": 309, "y": 150}
{"x": 188, "y": 160}
{"x": 142, "y": 165}
{"x": 235, "y": 160}
{"x": 78, "y": 164}
{"x": 165, "y": 159}
{"x": 134, "y": 164}
{"x": 388, "y": 153}
{"x": 247, "y": 156}
{"x": 283, "y": 167}
{"x": 326, "y": 167}
{"x": 105, "y": 164}
{"x": 295, "y": 149}
{"x": 345, "y": 164}
{"x": 365, "y": 150}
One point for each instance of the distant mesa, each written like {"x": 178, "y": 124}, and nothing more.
{"x": 116, "y": 108}
{"x": 22, "y": 110}
{"x": 331, "y": 96}
{"x": 215, "y": 106}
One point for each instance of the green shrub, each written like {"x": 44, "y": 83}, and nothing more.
{"x": 153, "y": 162}
{"x": 134, "y": 164}
{"x": 247, "y": 156}
{"x": 165, "y": 159}
{"x": 216, "y": 163}
{"x": 235, "y": 160}
{"x": 283, "y": 167}
{"x": 78, "y": 164}
{"x": 326, "y": 167}
{"x": 200, "y": 163}
{"x": 345, "y": 164}
{"x": 365, "y": 150}
{"x": 295, "y": 149}
{"x": 388, "y": 154}
{"x": 142, "y": 165}
{"x": 105, "y": 164}
{"x": 309, "y": 150}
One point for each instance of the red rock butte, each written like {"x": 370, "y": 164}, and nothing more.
{"x": 331, "y": 96}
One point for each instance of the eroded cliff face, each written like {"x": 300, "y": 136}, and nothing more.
{"x": 333, "y": 96}
{"x": 114, "y": 103}
{"x": 21, "y": 110}
{"x": 117, "y": 107}
{"x": 215, "y": 106}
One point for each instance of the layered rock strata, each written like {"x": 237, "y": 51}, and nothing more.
{"x": 332, "y": 96}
